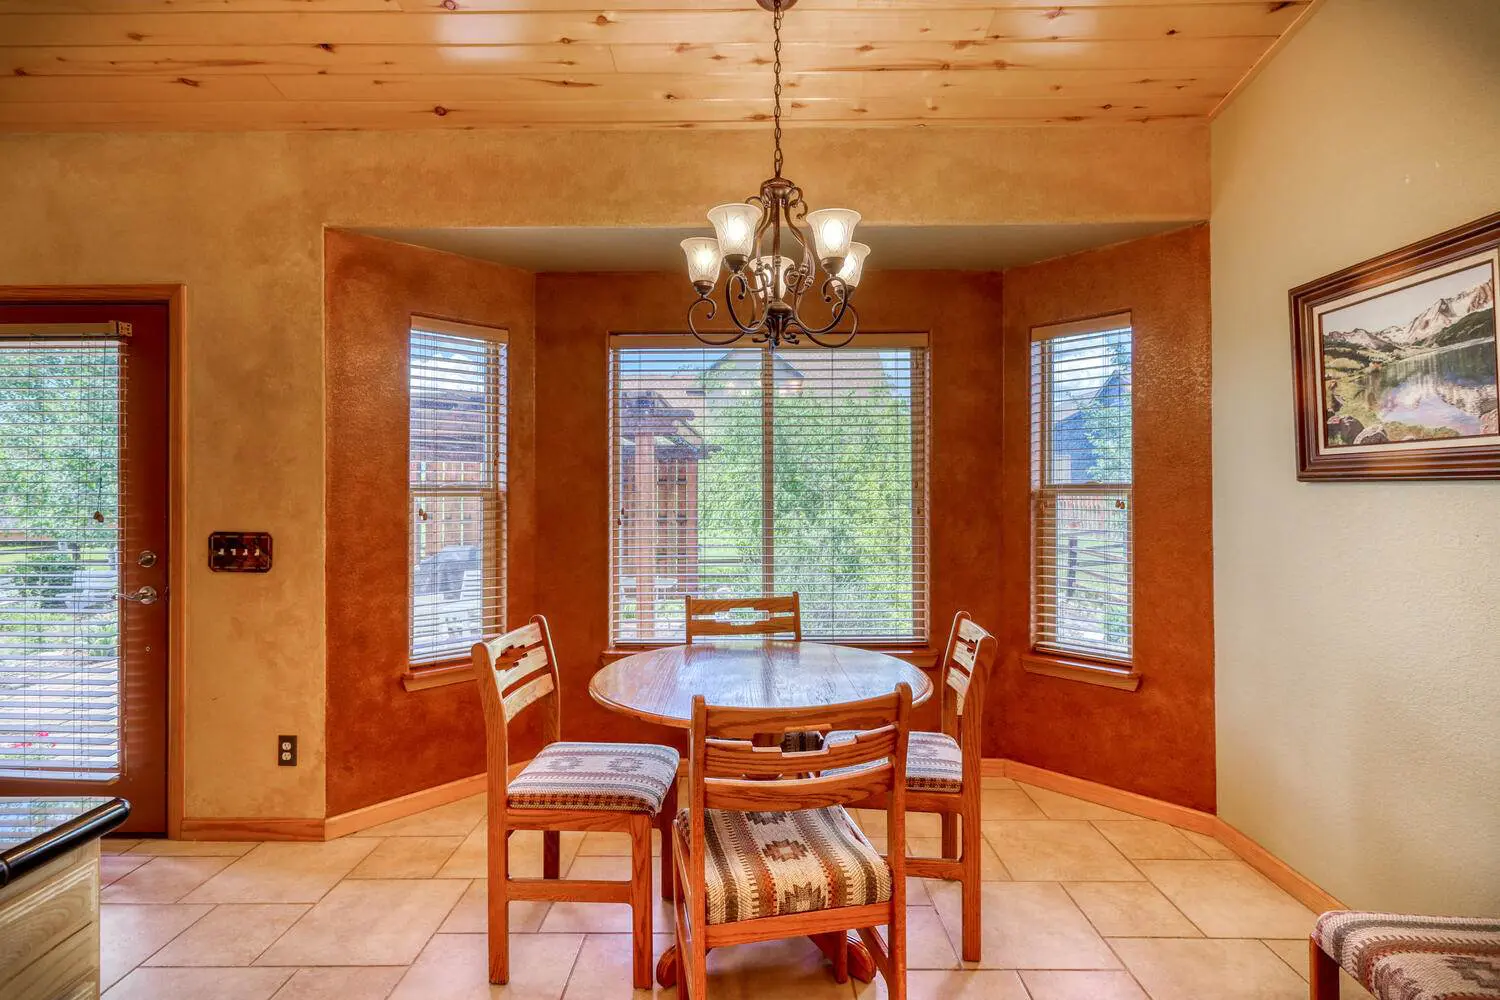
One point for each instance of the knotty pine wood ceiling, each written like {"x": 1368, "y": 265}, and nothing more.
{"x": 90, "y": 65}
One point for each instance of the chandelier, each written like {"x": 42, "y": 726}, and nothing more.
{"x": 765, "y": 288}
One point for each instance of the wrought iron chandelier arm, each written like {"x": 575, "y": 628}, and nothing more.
{"x": 713, "y": 309}
{"x": 835, "y": 291}
{"x": 758, "y": 315}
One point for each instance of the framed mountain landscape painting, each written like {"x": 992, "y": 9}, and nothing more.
{"x": 1397, "y": 363}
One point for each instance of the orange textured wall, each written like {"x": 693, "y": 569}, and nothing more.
{"x": 383, "y": 741}
{"x": 576, "y": 312}
{"x": 1159, "y": 740}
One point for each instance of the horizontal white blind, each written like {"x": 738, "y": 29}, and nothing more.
{"x": 457, "y": 483}
{"x": 61, "y": 498}
{"x": 744, "y": 472}
{"x": 1082, "y": 563}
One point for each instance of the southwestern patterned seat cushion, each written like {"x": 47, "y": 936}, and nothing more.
{"x": 608, "y": 777}
{"x": 1400, "y": 957}
{"x": 767, "y": 864}
{"x": 934, "y": 762}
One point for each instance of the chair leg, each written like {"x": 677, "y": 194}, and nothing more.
{"x": 498, "y": 869}
{"x": 950, "y": 836}
{"x": 664, "y": 824}
{"x": 1322, "y": 973}
{"x": 895, "y": 983}
{"x": 692, "y": 968}
{"x": 551, "y": 854}
{"x": 972, "y": 885}
{"x": 640, "y": 900}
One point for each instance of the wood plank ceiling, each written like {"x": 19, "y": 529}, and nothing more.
{"x": 89, "y": 65}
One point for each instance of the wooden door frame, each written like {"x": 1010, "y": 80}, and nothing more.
{"x": 174, "y": 297}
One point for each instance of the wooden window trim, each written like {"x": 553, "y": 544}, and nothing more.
{"x": 1121, "y": 676}
{"x": 434, "y": 675}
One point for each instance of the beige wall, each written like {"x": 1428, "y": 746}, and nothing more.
{"x": 1358, "y": 625}
{"x": 239, "y": 218}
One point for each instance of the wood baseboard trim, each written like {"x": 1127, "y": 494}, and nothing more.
{"x": 363, "y": 818}
{"x": 1301, "y": 888}
{"x": 250, "y": 828}
{"x": 1298, "y": 886}
{"x": 1115, "y": 798}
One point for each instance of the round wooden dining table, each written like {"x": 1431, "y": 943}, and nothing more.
{"x": 658, "y": 686}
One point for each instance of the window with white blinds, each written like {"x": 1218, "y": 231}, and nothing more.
{"x": 457, "y": 485}
{"x": 61, "y": 501}
{"x": 743, "y": 472}
{"x": 1082, "y": 561}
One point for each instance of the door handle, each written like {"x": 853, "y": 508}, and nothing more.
{"x": 146, "y": 595}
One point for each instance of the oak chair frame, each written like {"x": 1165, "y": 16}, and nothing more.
{"x": 732, "y": 767}
{"x": 1322, "y": 973}
{"x": 966, "y": 665}
{"x": 514, "y": 672}
{"x": 783, "y": 614}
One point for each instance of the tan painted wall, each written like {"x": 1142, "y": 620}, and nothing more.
{"x": 1358, "y": 625}
{"x": 239, "y": 218}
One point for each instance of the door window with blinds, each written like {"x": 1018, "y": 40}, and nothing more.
{"x": 744, "y": 472}
{"x": 61, "y": 629}
{"x": 1081, "y": 421}
{"x": 457, "y": 485}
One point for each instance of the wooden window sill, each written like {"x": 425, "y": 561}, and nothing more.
{"x": 435, "y": 675}
{"x": 918, "y": 656}
{"x": 1122, "y": 678}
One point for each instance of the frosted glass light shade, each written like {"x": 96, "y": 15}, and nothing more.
{"x": 832, "y": 231}
{"x": 769, "y": 276}
{"x": 854, "y": 264}
{"x": 734, "y": 225}
{"x": 702, "y": 260}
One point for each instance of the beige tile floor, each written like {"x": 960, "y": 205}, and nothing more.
{"x": 1081, "y": 903}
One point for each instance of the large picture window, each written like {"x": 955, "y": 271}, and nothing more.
{"x": 457, "y": 487}
{"x": 1082, "y": 560}
{"x": 741, "y": 472}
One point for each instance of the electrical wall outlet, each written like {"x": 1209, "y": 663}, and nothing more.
{"x": 286, "y": 751}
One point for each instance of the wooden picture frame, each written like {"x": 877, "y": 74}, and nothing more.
{"x": 1396, "y": 363}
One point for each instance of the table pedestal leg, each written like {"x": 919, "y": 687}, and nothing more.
{"x": 855, "y": 960}
{"x": 666, "y": 968}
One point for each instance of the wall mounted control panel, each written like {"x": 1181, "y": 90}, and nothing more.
{"x": 239, "y": 552}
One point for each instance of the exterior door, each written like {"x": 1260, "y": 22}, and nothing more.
{"x": 83, "y": 553}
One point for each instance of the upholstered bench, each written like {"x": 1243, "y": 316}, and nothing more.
{"x": 1400, "y": 957}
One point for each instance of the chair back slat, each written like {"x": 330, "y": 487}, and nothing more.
{"x": 958, "y": 682}
{"x": 526, "y": 636}
{"x": 518, "y": 664}
{"x": 734, "y": 758}
{"x": 528, "y": 694}
{"x": 963, "y": 655}
{"x": 788, "y": 794}
{"x": 776, "y": 616}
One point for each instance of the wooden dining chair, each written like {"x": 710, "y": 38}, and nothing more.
{"x": 621, "y": 787}
{"x": 761, "y": 855}
{"x": 722, "y": 617}
{"x": 943, "y": 772}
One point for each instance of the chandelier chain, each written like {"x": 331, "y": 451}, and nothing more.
{"x": 776, "y": 70}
